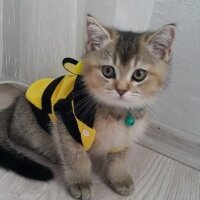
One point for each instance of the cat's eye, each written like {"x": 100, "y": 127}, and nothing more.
{"x": 139, "y": 75}
{"x": 108, "y": 71}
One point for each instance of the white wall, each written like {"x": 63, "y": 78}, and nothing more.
{"x": 1, "y": 36}
{"x": 180, "y": 103}
{"x": 48, "y": 33}
{"x": 126, "y": 14}
{"x": 38, "y": 35}
{"x": 11, "y": 43}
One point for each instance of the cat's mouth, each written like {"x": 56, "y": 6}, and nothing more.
{"x": 121, "y": 98}
{"x": 126, "y": 101}
{"x": 118, "y": 100}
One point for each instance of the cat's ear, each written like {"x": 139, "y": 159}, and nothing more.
{"x": 160, "y": 42}
{"x": 98, "y": 35}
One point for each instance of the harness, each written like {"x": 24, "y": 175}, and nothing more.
{"x": 67, "y": 96}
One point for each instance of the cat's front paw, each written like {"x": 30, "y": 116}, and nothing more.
{"x": 123, "y": 186}
{"x": 80, "y": 191}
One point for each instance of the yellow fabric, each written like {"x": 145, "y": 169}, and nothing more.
{"x": 63, "y": 89}
{"x": 53, "y": 117}
{"x": 77, "y": 69}
{"x": 87, "y": 139}
{"x": 35, "y": 91}
{"x": 117, "y": 149}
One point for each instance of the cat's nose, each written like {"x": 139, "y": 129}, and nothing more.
{"x": 121, "y": 92}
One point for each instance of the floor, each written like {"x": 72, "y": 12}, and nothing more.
{"x": 156, "y": 177}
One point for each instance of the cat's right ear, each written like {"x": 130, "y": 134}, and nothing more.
{"x": 98, "y": 35}
{"x": 160, "y": 42}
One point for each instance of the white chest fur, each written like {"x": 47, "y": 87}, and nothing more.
{"x": 113, "y": 135}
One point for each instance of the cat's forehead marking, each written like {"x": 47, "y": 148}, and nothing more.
{"x": 127, "y": 46}
{"x": 125, "y": 72}
{"x": 115, "y": 59}
{"x": 133, "y": 62}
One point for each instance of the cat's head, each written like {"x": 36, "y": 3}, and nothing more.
{"x": 126, "y": 69}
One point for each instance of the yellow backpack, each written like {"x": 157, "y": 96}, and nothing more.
{"x": 65, "y": 95}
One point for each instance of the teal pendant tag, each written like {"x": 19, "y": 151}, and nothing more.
{"x": 130, "y": 120}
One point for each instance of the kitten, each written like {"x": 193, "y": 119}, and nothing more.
{"x": 123, "y": 73}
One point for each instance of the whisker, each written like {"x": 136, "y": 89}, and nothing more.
{"x": 81, "y": 104}
{"x": 89, "y": 106}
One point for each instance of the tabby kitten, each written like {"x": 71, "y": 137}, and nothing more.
{"x": 123, "y": 73}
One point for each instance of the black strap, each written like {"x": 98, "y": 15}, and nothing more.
{"x": 69, "y": 60}
{"x": 64, "y": 108}
{"x": 84, "y": 104}
{"x": 84, "y": 112}
{"x": 46, "y": 97}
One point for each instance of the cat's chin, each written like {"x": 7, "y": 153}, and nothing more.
{"x": 119, "y": 103}
{"x": 122, "y": 105}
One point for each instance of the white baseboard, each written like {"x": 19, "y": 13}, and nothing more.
{"x": 178, "y": 145}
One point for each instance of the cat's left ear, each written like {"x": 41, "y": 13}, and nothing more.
{"x": 98, "y": 35}
{"x": 160, "y": 42}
